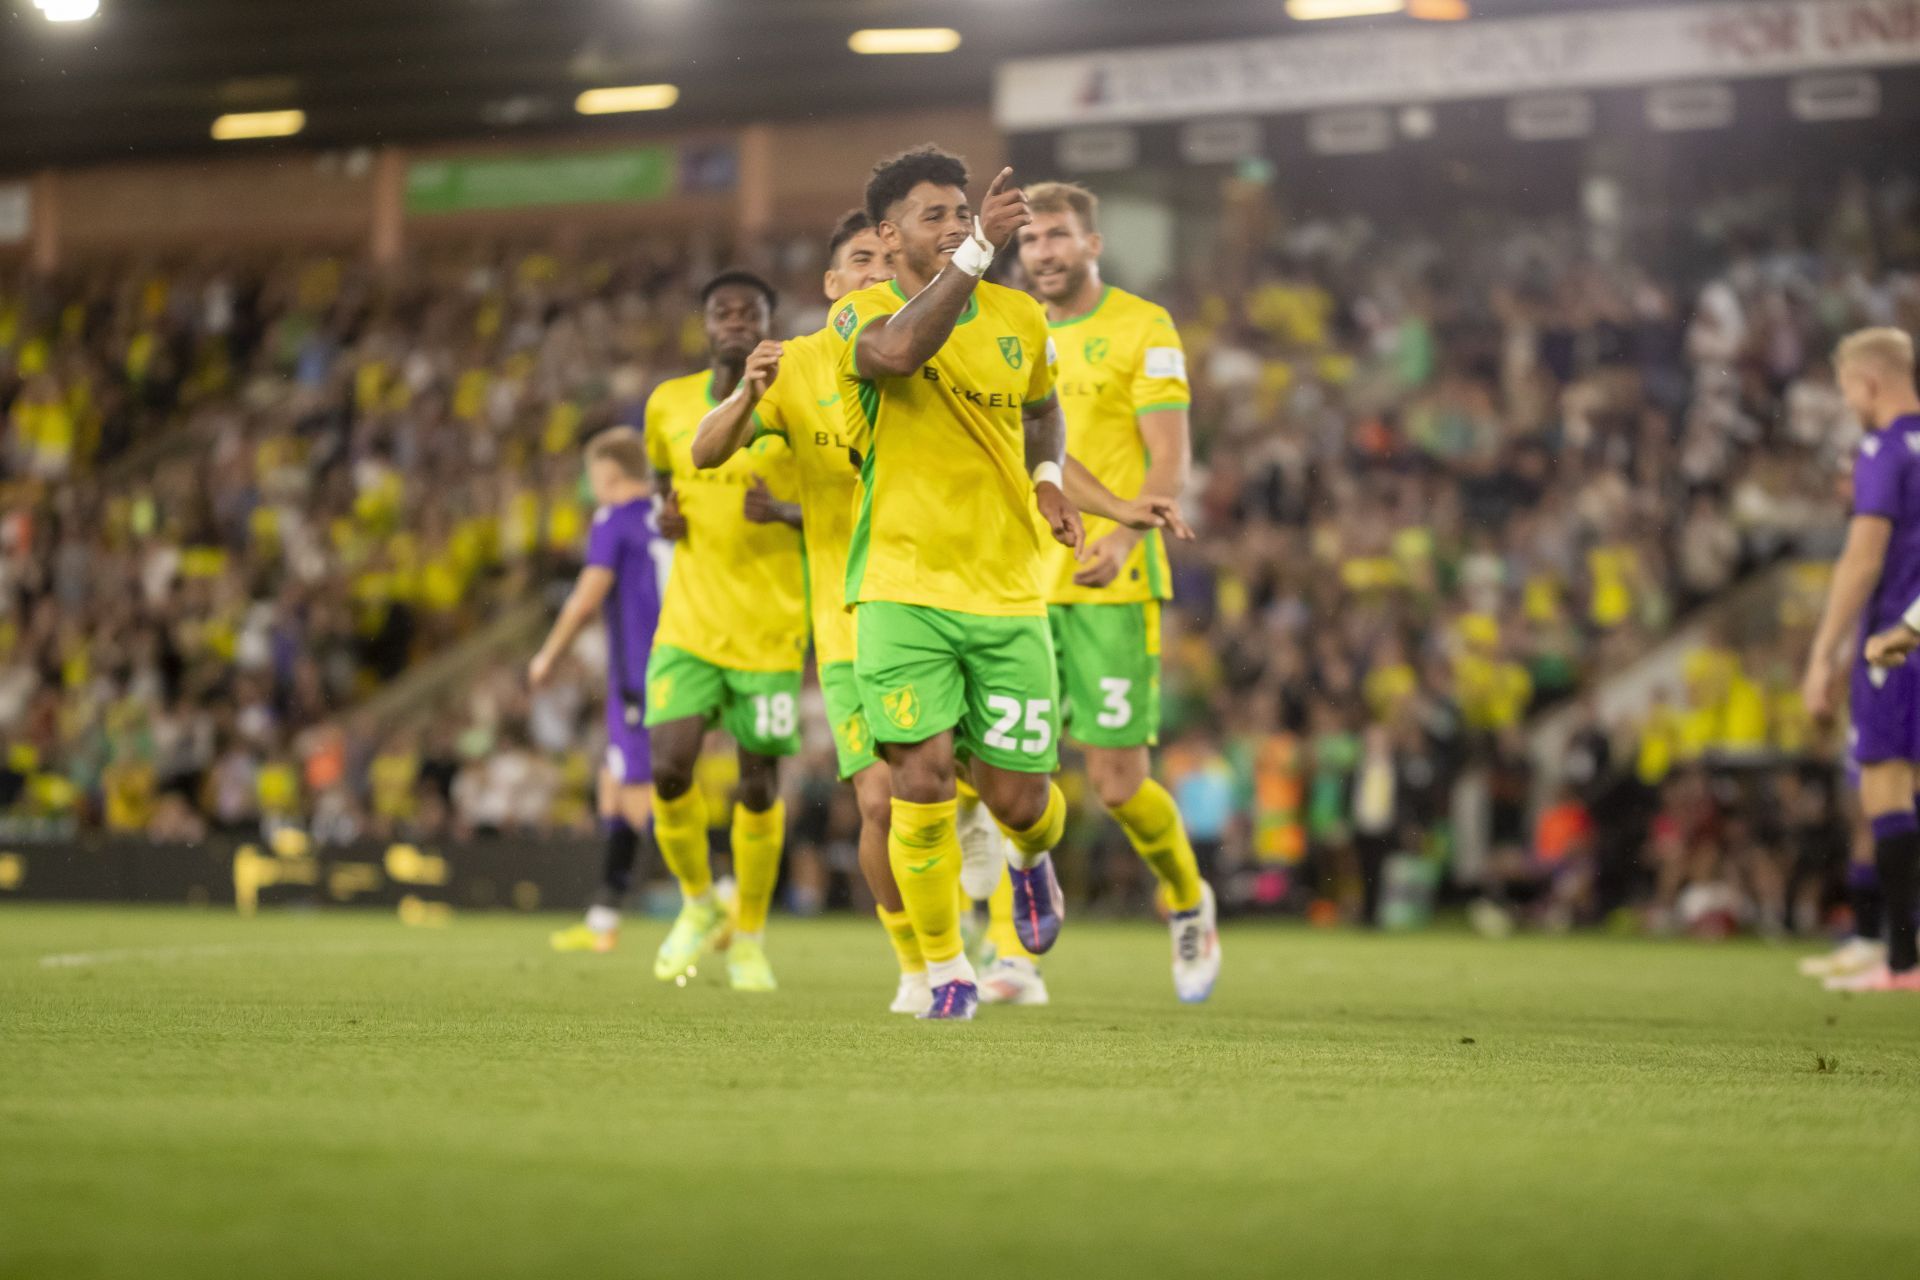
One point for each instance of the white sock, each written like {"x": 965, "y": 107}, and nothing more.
{"x": 941, "y": 972}
{"x": 603, "y": 919}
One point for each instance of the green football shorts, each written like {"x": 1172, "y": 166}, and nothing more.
{"x": 852, "y": 740}
{"x": 761, "y": 709}
{"x": 990, "y": 680}
{"x": 1109, "y": 671}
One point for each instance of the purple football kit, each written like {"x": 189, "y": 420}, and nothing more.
{"x": 1885, "y": 704}
{"x": 625, "y": 540}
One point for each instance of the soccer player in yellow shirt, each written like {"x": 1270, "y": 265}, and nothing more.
{"x": 1123, "y": 386}
{"x": 801, "y": 406}
{"x": 731, "y": 641}
{"x": 947, "y": 384}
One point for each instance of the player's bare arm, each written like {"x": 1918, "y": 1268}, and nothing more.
{"x": 589, "y": 592}
{"x": 1890, "y": 648}
{"x": 1854, "y": 577}
{"x": 1134, "y": 515}
{"x": 763, "y": 508}
{"x": 896, "y": 345}
{"x": 1046, "y": 453}
{"x": 673, "y": 525}
{"x": 728, "y": 427}
{"x": 1167, "y": 436}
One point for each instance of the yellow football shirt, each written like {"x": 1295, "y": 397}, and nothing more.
{"x": 734, "y": 595}
{"x": 1118, "y": 361}
{"x": 944, "y": 514}
{"x": 803, "y": 409}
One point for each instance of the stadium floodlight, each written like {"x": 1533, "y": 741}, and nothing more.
{"x": 1439, "y": 10}
{"x": 904, "y": 40}
{"x": 1315, "y": 10}
{"x": 67, "y": 10}
{"x": 258, "y": 124}
{"x": 626, "y": 97}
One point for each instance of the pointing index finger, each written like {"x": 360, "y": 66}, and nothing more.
{"x": 999, "y": 182}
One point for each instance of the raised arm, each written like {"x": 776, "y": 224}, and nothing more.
{"x": 896, "y": 345}
{"x": 589, "y": 593}
{"x": 728, "y": 427}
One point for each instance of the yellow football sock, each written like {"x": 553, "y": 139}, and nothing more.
{"x": 680, "y": 829}
{"x": 1043, "y": 835}
{"x": 757, "y": 840}
{"x": 963, "y": 789}
{"x": 1000, "y": 930}
{"x": 1152, "y": 823}
{"x": 925, "y": 854}
{"x": 906, "y": 943}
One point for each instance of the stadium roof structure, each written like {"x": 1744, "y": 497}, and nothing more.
{"x": 148, "y": 77}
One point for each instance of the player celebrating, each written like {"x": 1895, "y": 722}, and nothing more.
{"x": 801, "y": 406}
{"x": 1879, "y": 573}
{"x": 625, "y": 567}
{"x": 1123, "y": 386}
{"x": 731, "y": 642}
{"x": 947, "y": 384}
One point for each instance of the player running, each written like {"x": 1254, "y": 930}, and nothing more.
{"x": 947, "y": 384}
{"x": 731, "y": 642}
{"x": 1123, "y": 386}
{"x": 1878, "y": 574}
{"x": 626, "y": 564}
{"x": 801, "y": 405}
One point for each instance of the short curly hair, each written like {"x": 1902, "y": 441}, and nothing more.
{"x": 895, "y": 176}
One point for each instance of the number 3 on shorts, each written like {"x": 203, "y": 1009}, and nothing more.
{"x": 1006, "y": 712}
{"x": 1115, "y": 710}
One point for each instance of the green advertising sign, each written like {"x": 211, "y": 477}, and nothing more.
{"x": 512, "y": 182}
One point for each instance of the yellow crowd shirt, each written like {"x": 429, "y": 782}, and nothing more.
{"x": 1116, "y": 362}
{"x": 734, "y": 595}
{"x": 802, "y": 407}
{"x": 944, "y": 508}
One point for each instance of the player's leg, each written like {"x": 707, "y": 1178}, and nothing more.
{"x": 1886, "y": 742}
{"x": 625, "y": 809}
{"x": 1012, "y": 730}
{"x": 854, "y": 749}
{"x": 912, "y": 690}
{"x": 684, "y": 694}
{"x": 762, "y": 712}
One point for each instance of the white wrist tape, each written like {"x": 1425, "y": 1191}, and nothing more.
{"x": 1047, "y": 473}
{"x": 975, "y": 255}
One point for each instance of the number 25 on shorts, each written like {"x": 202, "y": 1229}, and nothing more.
{"x": 1038, "y": 728}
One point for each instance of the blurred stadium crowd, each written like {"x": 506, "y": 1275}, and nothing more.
{"x": 1447, "y": 478}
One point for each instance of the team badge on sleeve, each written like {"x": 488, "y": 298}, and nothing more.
{"x": 844, "y": 321}
{"x": 1166, "y": 362}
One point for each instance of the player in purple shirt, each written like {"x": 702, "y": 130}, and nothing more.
{"x": 623, "y": 579}
{"x": 1875, "y": 579}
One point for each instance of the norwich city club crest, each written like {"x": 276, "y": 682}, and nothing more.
{"x": 1096, "y": 350}
{"x": 1010, "y": 348}
{"x": 902, "y": 707}
{"x": 660, "y": 691}
{"x": 853, "y": 734}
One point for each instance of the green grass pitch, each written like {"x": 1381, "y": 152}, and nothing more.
{"x": 197, "y": 1095}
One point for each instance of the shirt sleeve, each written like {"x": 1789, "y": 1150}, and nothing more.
{"x": 1160, "y": 379}
{"x": 1876, "y": 479}
{"x": 770, "y": 415}
{"x": 1047, "y": 367}
{"x": 603, "y": 540}
{"x": 659, "y": 454}
{"x": 854, "y": 313}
